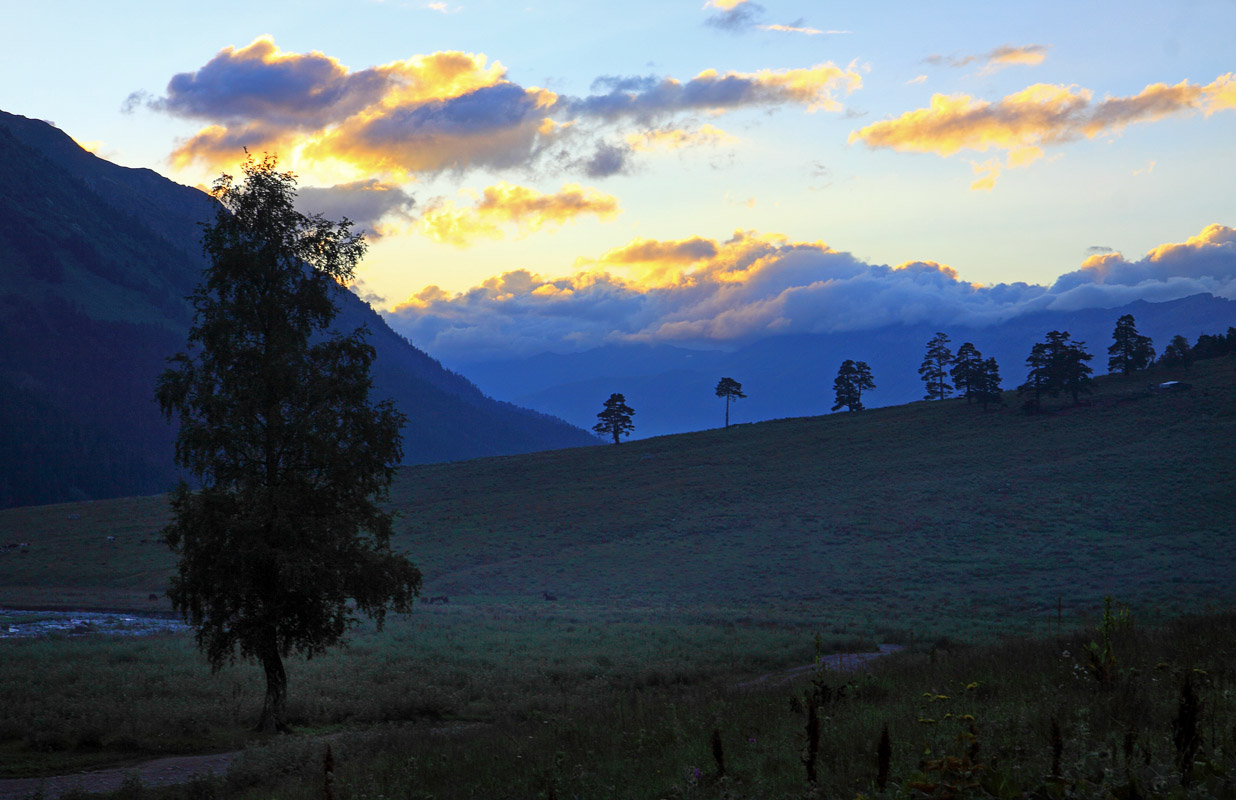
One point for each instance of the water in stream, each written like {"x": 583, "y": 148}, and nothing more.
{"x": 27, "y": 624}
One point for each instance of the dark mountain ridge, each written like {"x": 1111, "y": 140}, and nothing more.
{"x": 97, "y": 261}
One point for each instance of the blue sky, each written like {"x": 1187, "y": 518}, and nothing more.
{"x": 807, "y": 134}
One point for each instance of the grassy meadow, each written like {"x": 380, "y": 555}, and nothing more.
{"x": 684, "y": 566}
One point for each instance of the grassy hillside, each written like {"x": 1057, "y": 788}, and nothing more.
{"x": 685, "y": 567}
{"x": 936, "y": 518}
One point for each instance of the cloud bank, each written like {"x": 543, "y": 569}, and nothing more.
{"x": 453, "y": 111}
{"x": 1039, "y": 116}
{"x": 704, "y": 292}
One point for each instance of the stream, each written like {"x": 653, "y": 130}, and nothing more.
{"x": 18, "y": 624}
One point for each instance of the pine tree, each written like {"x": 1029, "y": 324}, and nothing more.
{"x": 1130, "y": 351}
{"x": 1057, "y": 365}
{"x": 1038, "y": 379}
{"x": 615, "y": 418}
{"x": 283, "y": 543}
{"x": 988, "y": 389}
{"x": 730, "y": 389}
{"x": 853, "y": 377}
{"x": 1069, "y": 370}
{"x": 934, "y": 369}
{"x": 967, "y": 370}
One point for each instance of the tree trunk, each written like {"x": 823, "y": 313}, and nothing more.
{"x": 616, "y": 435}
{"x": 727, "y": 411}
{"x": 274, "y": 710}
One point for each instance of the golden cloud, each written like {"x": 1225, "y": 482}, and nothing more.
{"x": 1030, "y": 55}
{"x": 676, "y": 138}
{"x": 504, "y": 205}
{"x": 446, "y": 111}
{"x": 1213, "y": 237}
{"x": 1003, "y": 56}
{"x": 812, "y": 86}
{"x": 1025, "y": 122}
{"x": 655, "y": 251}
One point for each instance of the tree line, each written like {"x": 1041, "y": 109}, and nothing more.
{"x": 1057, "y": 365}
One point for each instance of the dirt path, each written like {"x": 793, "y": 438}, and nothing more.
{"x": 160, "y": 772}
{"x": 840, "y": 662}
{"x": 181, "y": 769}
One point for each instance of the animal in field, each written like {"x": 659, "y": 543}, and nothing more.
{"x": 549, "y": 597}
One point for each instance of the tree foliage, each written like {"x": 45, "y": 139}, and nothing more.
{"x": 1215, "y": 345}
{"x": 1130, "y": 351}
{"x": 934, "y": 369}
{"x": 853, "y": 378}
{"x": 1057, "y": 365}
{"x": 967, "y": 371}
{"x": 1177, "y": 353}
{"x": 730, "y": 389}
{"x": 987, "y": 388}
{"x": 283, "y": 541}
{"x": 615, "y": 418}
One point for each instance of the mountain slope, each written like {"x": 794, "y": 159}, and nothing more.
{"x": 96, "y": 261}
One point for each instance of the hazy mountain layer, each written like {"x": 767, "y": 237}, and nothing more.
{"x": 672, "y": 389}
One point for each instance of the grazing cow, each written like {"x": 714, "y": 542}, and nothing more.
{"x": 549, "y": 597}
{"x": 111, "y": 539}
{"x": 152, "y": 596}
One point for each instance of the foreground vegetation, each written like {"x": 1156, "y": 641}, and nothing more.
{"x": 961, "y": 721}
{"x": 684, "y": 566}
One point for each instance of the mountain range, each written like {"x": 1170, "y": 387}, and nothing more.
{"x": 97, "y": 261}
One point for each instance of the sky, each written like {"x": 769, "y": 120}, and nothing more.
{"x": 559, "y": 175}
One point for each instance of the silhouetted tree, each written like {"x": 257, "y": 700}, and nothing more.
{"x": 853, "y": 377}
{"x": 730, "y": 389}
{"x": 1038, "y": 379}
{"x": 934, "y": 369}
{"x": 1177, "y": 353}
{"x": 1130, "y": 351}
{"x": 967, "y": 370}
{"x": 988, "y": 384}
{"x": 615, "y": 419}
{"x": 284, "y": 541}
{"x": 1056, "y": 365}
{"x": 1213, "y": 346}
{"x": 1069, "y": 370}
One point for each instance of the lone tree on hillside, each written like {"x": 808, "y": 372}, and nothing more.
{"x": 852, "y": 378}
{"x": 967, "y": 370}
{"x": 283, "y": 541}
{"x": 1177, "y": 353}
{"x": 730, "y": 389}
{"x": 615, "y": 419}
{"x": 934, "y": 369}
{"x": 1130, "y": 351}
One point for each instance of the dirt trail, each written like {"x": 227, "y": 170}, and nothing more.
{"x": 160, "y": 772}
{"x": 181, "y": 769}
{"x": 838, "y": 662}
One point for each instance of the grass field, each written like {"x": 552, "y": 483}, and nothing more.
{"x": 682, "y": 566}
